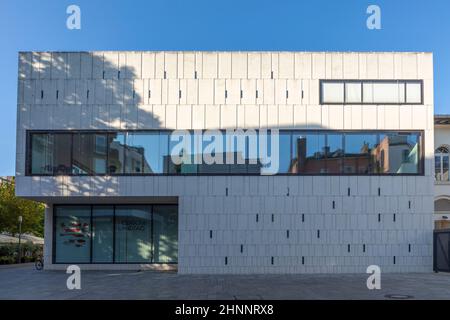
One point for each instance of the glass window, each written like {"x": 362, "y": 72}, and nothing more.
{"x": 401, "y": 153}
{"x": 135, "y": 161}
{"x": 272, "y": 148}
{"x": 441, "y": 165}
{"x": 437, "y": 167}
{"x": 214, "y": 154}
{"x": 252, "y": 160}
{"x": 353, "y": 92}
{"x": 165, "y": 234}
{"x": 133, "y": 234}
{"x": 116, "y": 153}
{"x": 334, "y": 153}
{"x": 72, "y": 234}
{"x": 236, "y": 155}
{"x": 297, "y": 152}
{"x": 62, "y": 152}
{"x": 388, "y": 92}
{"x": 41, "y": 153}
{"x": 89, "y": 154}
{"x": 371, "y": 91}
{"x": 102, "y": 234}
{"x": 146, "y": 152}
{"x": 360, "y": 153}
{"x": 308, "y": 153}
{"x": 181, "y": 149}
{"x": 285, "y": 152}
{"x": 332, "y": 92}
{"x": 413, "y": 92}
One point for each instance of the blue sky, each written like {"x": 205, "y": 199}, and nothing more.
{"x": 316, "y": 25}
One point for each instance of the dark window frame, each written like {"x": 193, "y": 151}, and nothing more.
{"x": 362, "y": 81}
{"x": 421, "y": 164}
{"x": 114, "y": 205}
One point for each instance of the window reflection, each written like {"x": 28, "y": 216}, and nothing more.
{"x": 102, "y": 234}
{"x": 334, "y": 153}
{"x": 308, "y": 153}
{"x": 51, "y": 153}
{"x": 116, "y": 153}
{"x": 441, "y": 164}
{"x": 89, "y": 154}
{"x": 165, "y": 234}
{"x": 133, "y": 234}
{"x": 42, "y": 153}
{"x": 401, "y": 153}
{"x": 299, "y": 152}
{"x": 360, "y": 153}
{"x": 72, "y": 234}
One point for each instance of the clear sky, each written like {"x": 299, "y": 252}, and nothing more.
{"x": 308, "y": 25}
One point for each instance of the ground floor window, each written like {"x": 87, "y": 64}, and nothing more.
{"x": 116, "y": 234}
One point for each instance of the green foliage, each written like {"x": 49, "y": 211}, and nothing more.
{"x": 9, "y": 252}
{"x": 11, "y": 207}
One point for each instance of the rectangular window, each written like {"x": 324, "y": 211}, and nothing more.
{"x": 413, "y": 92}
{"x": 146, "y": 151}
{"x": 334, "y": 153}
{"x": 353, "y": 92}
{"x": 133, "y": 234}
{"x": 72, "y": 234}
{"x": 437, "y": 167}
{"x": 102, "y": 234}
{"x": 165, "y": 234}
{"x": 115, "y": 233}
{"x": 89, "y": 154}
{"x": 308, "y": 156}
{"x": 318, "y": 152}
{"x": 332, "y": 92}
{"x": 399, "y": 153}
{"x": 116, "y": 153}
{"x": 371, "y": 92}
{"x": 42, "y": 153}
{"x": 360, "y": 153}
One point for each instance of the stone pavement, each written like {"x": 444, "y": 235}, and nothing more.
{"x": 24, "y": 282}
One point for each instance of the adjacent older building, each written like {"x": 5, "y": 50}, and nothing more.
{"x": 353, "y": 188}
{"x": 441, "y": 167}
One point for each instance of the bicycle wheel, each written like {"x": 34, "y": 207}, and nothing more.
{"x": 39, "y": 265}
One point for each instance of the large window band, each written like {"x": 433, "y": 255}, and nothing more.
{"x": 301, "y": 152}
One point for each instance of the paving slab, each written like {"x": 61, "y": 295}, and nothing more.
{"x": 24, "y": 282}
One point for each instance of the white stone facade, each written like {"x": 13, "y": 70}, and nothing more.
{"x": 185, "y": 90}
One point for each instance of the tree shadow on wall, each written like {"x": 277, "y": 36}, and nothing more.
{"x": 72, "y": 90}
{"x": 82, "y": 90}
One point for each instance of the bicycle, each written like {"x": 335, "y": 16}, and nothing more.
{"x": 39, "y": 263}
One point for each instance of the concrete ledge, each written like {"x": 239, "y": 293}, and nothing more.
{"x": 137, "y": 266}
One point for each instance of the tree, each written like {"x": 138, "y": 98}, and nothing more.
{"x": 11, "y": 207}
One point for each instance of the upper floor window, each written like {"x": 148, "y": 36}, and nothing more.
{"x": 287, "y": 152}
{"x": 441, "y": 163}
{"x": 371, "y": 92}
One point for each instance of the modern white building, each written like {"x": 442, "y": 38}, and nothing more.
{"x": 354, "y": 185}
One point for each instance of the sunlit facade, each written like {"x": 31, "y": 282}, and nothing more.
{"x": 349, "y": 137}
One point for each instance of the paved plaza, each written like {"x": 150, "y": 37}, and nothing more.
{"x": 25, "y": 282}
